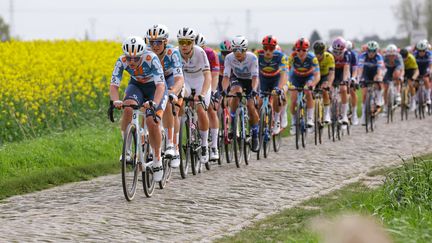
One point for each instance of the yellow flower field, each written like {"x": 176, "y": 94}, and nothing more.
{"x": 48, "y": 86}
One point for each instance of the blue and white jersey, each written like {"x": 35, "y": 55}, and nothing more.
{"x": 370, "y": 65}
{"x": 149, "y": 70}
{"x": 246, "y": 69}
{"x": 172, "y": 63}
{"x": 423, "y": 62}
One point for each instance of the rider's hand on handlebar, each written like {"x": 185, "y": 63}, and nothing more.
{"x": 118, "y": 104}
{"x": 173, "y": 98}
{"x": 149, "y": 105}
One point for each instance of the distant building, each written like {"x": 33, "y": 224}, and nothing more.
{"x": 333, "y": 33}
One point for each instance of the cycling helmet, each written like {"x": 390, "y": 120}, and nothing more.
{"x": 225, "y": 45}
{"x": 186, "y": 33}
{"x": 133, "y": 46}
{"x": 391, "y": 49}
{"x": 339, "y": 44}
{"x": 319, "y": 47}
{"x": 302, "y": 43}
{"x": 157, "y": 31}
{"x": 349, "y": 45}
{"x": 200, "y": 40}
{"x": 239, "y": 41}
{"x": 372, "y": 46}
{"x": 269, "y": 40}
{"x": 404, "y": 52}
{"x": 422, "y": 45}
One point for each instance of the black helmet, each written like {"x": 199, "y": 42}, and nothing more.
{"x": 319, "y": 47}
{"x": 404, "y": 53}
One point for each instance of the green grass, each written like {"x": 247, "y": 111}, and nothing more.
{"x": 55, "y": 159}
{"x": 403, "y": 204}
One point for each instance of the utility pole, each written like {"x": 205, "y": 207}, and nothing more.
{"x": 222, "y": 28}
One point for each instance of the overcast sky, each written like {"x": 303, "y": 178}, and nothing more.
{"x": 286, "y": 19}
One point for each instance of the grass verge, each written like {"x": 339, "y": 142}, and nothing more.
{"x": 403, "y": 204}
{"x": 52, "y": 160}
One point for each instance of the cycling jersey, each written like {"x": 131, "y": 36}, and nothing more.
{"x": 272, "y": 67}
{"x": 301, "y": 72}
{"x": 193, "y": 70}
{"x": 148, "y": 71}
{"x": 423, "y": 62}
{"x": 340, "y": 62}
{"x": 393, "y": 63}
{"x": 354, "y": 61}
{"x": 221, "y": 63}
{"x": 326, "y": 64}
{"x": 410, "y": 62}
{"x": 370, "y": 65}
{"x": 212, "y": 58}
{"x": 246, "y": 69}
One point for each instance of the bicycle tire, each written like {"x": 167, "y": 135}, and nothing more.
{"x": 147, "y": 175}
{"x": 261, "y": 132}
{"x": 237, "y": 141}
{"x": 184, "y": 148}
{"x": 228, "y": 143}
{"x": 316, "y": 122}
{"x": 247, "y": 138}
{"x": 298, "y": 125}
{"x": 130, "y": 168}
{"x": 195, "y": 149}
{"x": 372, "y": 115}
{"x": 266, "y": 142}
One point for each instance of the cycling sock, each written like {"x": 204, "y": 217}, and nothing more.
{"x": 177, "y": 140}
{"x": 363, "y": 110}
{"x": 204, "y": 138}
{"x": 293, "y": 120}
{"x": 310, "y": 113}
{"x": 122, "y": 133}
{"x": 214, "y": 135}
{"x": 255, "y": 130}
{"x": 344, "y": 109}
{"x": 277, "y": 116}
{"x": 354, "y": 111}
{"x": 428, "y": 94}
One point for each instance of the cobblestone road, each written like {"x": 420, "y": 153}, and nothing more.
{"x": 217, "y": 202}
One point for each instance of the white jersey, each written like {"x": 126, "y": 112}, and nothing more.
{"x": 246, "y": 69}
{"x": 193, "y": 72}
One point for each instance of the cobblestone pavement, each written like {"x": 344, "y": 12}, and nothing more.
{"x": 214, "y": 203}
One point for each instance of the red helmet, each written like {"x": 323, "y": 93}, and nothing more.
{"x": 269, "y": 40}
{"x": 302, "y": 43}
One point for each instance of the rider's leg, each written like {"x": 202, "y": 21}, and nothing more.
{"x": 344, "y": 103}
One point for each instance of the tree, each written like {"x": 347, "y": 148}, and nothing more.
{"x": 4, "y": 30}
{"x": 315, "y": 36}
{"x": 409, "y": 13}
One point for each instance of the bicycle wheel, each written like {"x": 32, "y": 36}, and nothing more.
{"x": 220, "y": 141}
{"x": 228, "y": 143}
{"x": 195, "y": 149}
{"x": 298, "y": 126}
{"x": 184, "y": 147}
{"x": 147, "y": 175}
{"x": 237, "y": 140}
{"x": 372, "y": 112}
{"x": 316, "y": 121}
{"x": 404, "y": 104}
{"x": 389, "y": 104}
{"x": 277, "y": 140}
{"x": 130, "y": 167}
{"x": 246, "y": 137}
{"x": 267, "y": 132}
{"x": 334, "y": 120}
{"x": 167, "y": 172}
{"x": 261, "y": 131}
{"x": 421, "y": 101}
{"x": 367, "y": 112}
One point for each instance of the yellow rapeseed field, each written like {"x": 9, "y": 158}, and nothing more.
{"x": 48, "y": 86}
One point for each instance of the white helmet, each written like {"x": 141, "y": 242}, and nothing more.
{"x": 422, "y": 45}
{"x": 157, "y": 31}
{"x": 186, "y": 33}
{"x": 133, "y": 46}
{"x": 348, "y": 45}
{"x": 239, "y": 41}
{"x": 372, "y": 46}
{"x": 391, "y": 49}
{"x": 200, "y": 40}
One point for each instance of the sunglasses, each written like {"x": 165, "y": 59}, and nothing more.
{"x": 238, "y": 49}
{"x": 299, "y": 50}
{"x": 371, "y": 51}
{"x": 156, "y": 42}
{"x": 421, "y": 50}
{"x": 135, "y": 59}
{"x": 185, "y": 42}
{"x": 269, "y": 48}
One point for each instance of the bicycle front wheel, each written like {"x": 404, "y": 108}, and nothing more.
{"x": 147, "y": 175}
{"x": 129, "y": 161}
{"x": 261, "y": 131}
{"x": 184, "y": 148}
{"x": 237, "y": 140}
{"x": 267, "y": 133}
{"x": 246, "y": 137}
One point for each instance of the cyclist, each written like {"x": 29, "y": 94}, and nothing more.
{"x": 225, "y": 49}
{"x": 272, "y": 74}
{"x": 212, "y": 114}
{"x": 394, "y": 64}
{"x": 196, "y": 71}
{"x": 157, "y": 37}
{"x": 241, "y": 72}
{"x": 327, "y": 66}
{"x": 371, "y": 66}
{"x": 424, "y": 61}
{"x": 146, "y": 87}
{"x": 303, "y": 70}
{"x": 410, "y": 74}
{"x": 353, "y": 82}
{"x": 342, "y": 73}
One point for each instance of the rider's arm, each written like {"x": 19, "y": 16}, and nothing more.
{"x": 283, "y": 72}
{"x": 380, "y": 68}
{"x": 178, "y": 73}
{"x": 115, "y": 80}
{"x": 360, "y": 67}
{"x": 254, "y": 73}
{"x": 215, "y": 72}
{"x": 416, "y": 74}
{"x": 346, "y": 69}
{"x": 207, "y": 82}
{"x": 331, "y": 77}
{"x": 316, "y": 74}
{"x": 159, "y": 80}
{"x": 226, "y": 74}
